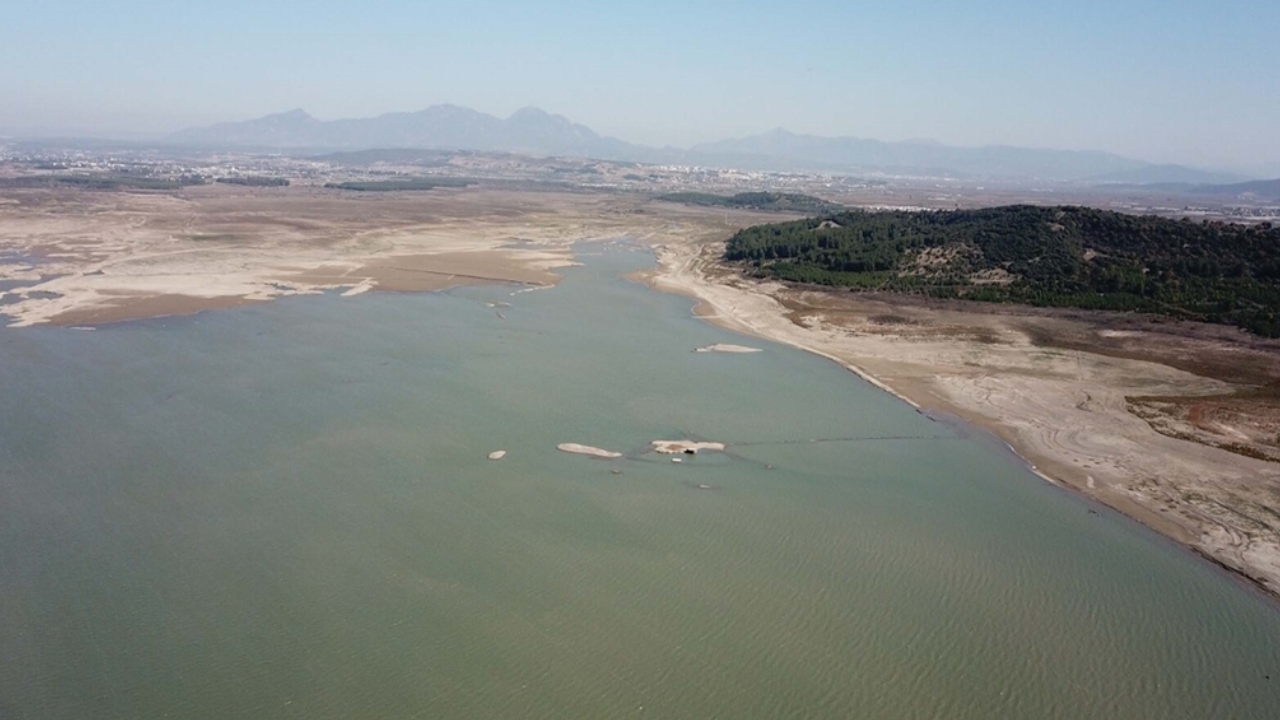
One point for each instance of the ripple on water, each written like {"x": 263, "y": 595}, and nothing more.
{"x": 287, "y": 511}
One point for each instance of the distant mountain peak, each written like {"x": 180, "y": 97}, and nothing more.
{"x": 537, "y": 117}
{"x": 531, "y": 111}
{"x": 296, "y": 116}
{"x": 447, "y": 109}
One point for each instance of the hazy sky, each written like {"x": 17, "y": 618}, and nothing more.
{"x": 1170, "y": 80}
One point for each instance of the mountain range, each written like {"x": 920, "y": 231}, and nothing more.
{"x": 440, "y": 126}
{"x": 534, "y": 131}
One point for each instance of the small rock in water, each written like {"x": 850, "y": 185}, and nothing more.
{"x": 616, "y": 471}
{"x": 687, "y": 447}
{"x": 497, "y": 454}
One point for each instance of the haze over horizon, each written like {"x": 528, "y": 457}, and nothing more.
{"x": 1181, "y": 82}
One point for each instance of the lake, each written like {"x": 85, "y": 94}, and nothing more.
{"x": 286, "y": 511}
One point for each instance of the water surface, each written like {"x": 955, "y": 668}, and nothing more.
{"x": 285, "y": 511}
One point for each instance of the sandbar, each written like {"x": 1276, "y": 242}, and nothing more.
{"x": 577, "y": 449}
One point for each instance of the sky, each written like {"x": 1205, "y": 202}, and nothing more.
{"x": 1190, "y": 81}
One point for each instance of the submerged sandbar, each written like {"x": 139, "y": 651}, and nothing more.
{"x": 728, "y": 348}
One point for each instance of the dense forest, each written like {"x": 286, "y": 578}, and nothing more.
{"x": 775, "y": 201}
{"x": 122, "y": 181}
{"x": 102, "y": 182}
{"x": 1046, "y": 256}
{"x": 400, "y": 185}
{"x": 255, "y": 181}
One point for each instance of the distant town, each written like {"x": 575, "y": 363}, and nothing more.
{"x": 141, "y": 169}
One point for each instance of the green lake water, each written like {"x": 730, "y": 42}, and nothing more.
{"x": 286, "y": 511}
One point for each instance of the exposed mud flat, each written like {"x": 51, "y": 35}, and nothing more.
{"x": 98, "y": 257}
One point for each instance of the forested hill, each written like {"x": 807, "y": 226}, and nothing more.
{"x": 773, "y": 201}
{"x": 1048, "y": 256}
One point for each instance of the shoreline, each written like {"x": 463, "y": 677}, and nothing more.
{"x": 1055, "y": 390}
{"x": 750, "y": 307}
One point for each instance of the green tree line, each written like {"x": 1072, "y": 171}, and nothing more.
{"x": 775, "y": 201}
{"x": 1047, "y": 256}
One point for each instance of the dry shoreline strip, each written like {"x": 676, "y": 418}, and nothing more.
{"x": 1065, "y": 412}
